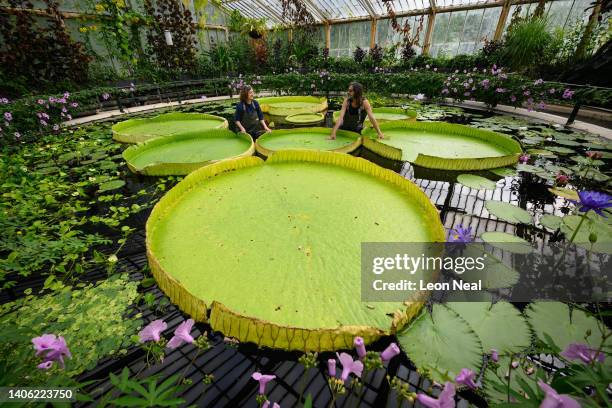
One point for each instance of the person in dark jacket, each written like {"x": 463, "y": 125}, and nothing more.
{"x": 354, "y": 110}
{"x": 248, "y": 116}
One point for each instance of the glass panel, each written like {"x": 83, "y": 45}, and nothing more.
{"x": 346, "y": 37}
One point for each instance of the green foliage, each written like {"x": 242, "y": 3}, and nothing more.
{"x": 525, "y": 43}
{"x": 91, "y": 331}
{"x": 148, "y": 392}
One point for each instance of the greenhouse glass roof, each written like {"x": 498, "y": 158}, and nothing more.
{"x": 338, "y": 10}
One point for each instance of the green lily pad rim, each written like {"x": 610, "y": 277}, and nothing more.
{"x": 264, "y": 333}
{"x": 434, "y": 162}
{"x": 264, "y": 151}
{"x": 119, "y": 128}
{"x": 298, "y": 118}
{"x": 178, "y": 169}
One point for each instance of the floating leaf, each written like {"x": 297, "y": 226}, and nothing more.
{"x": 560, "y": 149}
{"x": 431, "y": 342}
{"x": 554, "y": 320}
{"x": 551, "y": 221}
{"x": 508, "y": 212}
{"x": 476, "y": 182}
{"x": 528, "y": 168}
{"x": 567, "y": 142}
{"x": 111, "y": 185}
{"x": 594, "y": 224}
{"x": 507, "y": 242}
{"x": 565, "y": 193}
{"x": 540, "y": 152}
{"x": 504, "y": 172}
{"x": 500, "y": 326}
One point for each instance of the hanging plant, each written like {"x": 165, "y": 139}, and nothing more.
{"x": 297, "y": 14}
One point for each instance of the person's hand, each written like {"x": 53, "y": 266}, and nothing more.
{"x": 381, "y": 135}
{"x": 332, "y": 136}
{"x": 268, "y": 130}
{"x": 243, "y": 131}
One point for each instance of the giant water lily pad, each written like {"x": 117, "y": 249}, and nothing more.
{"x": 443, "y": 146}
{"x": 292, "y": 105}
{"x": 386, "y": 114}
{"x": 316, "y": 138}
{"x": 168, "y": 124}
{"x": 270, "y": 252}
{"x": 305, "y": 118}
{"x": 181, "y": 154}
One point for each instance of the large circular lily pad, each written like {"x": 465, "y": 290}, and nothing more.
{"x": 316, "y": 138}
{"x": 444, "y": 146}
{"x": 305, "y": 118}
{"x": 386, "y": 114}
{"x": 292, "y": 105}
{"x": 182, "y": 154}
{"x": 167, "y": 124}
{"x": 270, "y": 252}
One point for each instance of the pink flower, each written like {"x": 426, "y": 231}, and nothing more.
{"x": 360, "y": 347}
{"x": 594, "y": 155}
{"x": 512, "y": 98}
{"x": 181, "y": 334}
{"x": 152, "y": 331}
{"x": 553, "y": 400}
{"x": 500, "y": 90}
{"x": 349, "y": 366}
{"x": 331, "y": 367}
{"x": 8, "y": 116}
{"x": 106, "y": 96}
{"x": 494, "y": 355}
{"x": 391, "y": 351}
{"x": 41, "y": 102}
{"x": 539, "y": 82}
{"x": 56, "y": 127}
{"x": 74, "y": 105}
{"x": 54, "y": 347}
{"x": 267, "y": 405}
{"x": 523, "y": 158}
{"x": 567, "y": 94}
{"x": 263, "y": 380}
{"x": 445, "y": 400}
{"x": 583, "y": 352}
{"x": 466, "y": 377}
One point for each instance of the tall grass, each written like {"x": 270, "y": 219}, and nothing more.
{"x": 526, "y": 43}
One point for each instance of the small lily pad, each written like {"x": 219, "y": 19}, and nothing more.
{"x": 111, "y": 185}
{"x": 565, "y": 193}
{"x": 560, "y": 149}
{"x": 476, "y": 182}
{"x": 508, "y": 212}
{"x": 507, "y": 242}
{"x": 551, "y": 221}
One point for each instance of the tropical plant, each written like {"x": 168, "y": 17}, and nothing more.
{"x": 525, "y": 43}
{"x": 359, "y": 54}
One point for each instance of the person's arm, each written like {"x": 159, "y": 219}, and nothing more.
{"x": 260, "y": 115}
{"x": 339, "y": 121}
{"x": 237, "y": 115}
{"x": 373, "y": 121}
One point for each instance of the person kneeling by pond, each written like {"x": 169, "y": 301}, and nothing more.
{"x": 354, "y": 110}
{"x": 248, "y": 117}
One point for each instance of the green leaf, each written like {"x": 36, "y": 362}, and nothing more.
{"x": 508, "y": 212}
{"x": 594, "y": 224}
{"x": 500, "y": 326}
{"x": 553, "y": 318}
{"x": 111, "y": 185}
{"x": 476, "y": 182}
{"x": 551, "y": 221}
{"x": 565, "y": 193}
{"x": 504, "y": 172}
{"x": 540, "y": 152}
{"x": 432, "y": 342}
{"x": 507, "y": 242}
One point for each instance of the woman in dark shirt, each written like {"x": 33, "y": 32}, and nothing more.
{"x": 354, "y": 110}
{"x": 249, "y": 117}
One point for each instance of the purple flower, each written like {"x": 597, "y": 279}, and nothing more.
{"x": 69, "y": 117}
{"x": 152, "y": 331}
{"x": 4, "y": 100}
{"x": 567, "y": 94}
{"x": 523, "y": 158}
{"x": 42, "y": 122}
{"x": 500, "y": 90}
{"x": 584, "y": 353}
{"x": 17, "y": 135}
{"x": 485, "y": 83}
{"x": 561, "y": 179}
{"x": 267, "y": 405}
{"x": 593, "y": 200}
{"x": 54, "y": 347}
{"x": 56, "y": 127}
{"x": 527, "y": 93}
{"x": 66, "y": 95}
{"x": 360, "y": 347}
{"x": 553, "y": 400}
{"x": 466, "y": 377}
{"x": 541, "y": 105}
{"x": 349, "y": 366}
{"x": 106, "y": 96}
{"x": 539, "y": 82}
{"x": 445, "y": 91}
{"x": 181, "y": 334}
{"x": 513, "y": 98}
{"x": 461, "y": 234}
{"x": 263, "y": 380}
{"x": 41, "y": 102}
{"x": 494, "y": 355}
{"x": 8, "y": 116}
{"x": 445, "y": 400}
{"x": 551, "y": 91}
{"x": 74, "y": 105}
{"x": 331, "y": 367}
{"x": 391, "y": 351}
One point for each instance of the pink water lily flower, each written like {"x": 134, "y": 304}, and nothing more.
{"x": 445, "y": 400}
{"x": 349, "y": 366}
{"x": 152, "y": 331}
{"x": 553, "y": 400}
{"x": 263, "y": 380}
{"x": 331, "y": 367}
{"x": 181, "y": 334}
{"x": 584, "y": 353}
{"x": 466, "y": 377}
{"x": 391, "y": 351}
{"x": 267, "y": 405}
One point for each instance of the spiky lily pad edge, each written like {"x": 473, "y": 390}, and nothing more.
{"x": 440, "y": 163}
{"x": 265, "y": 333}
{"x": 121, "y": 137}
{"x": 179, "y": 169}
